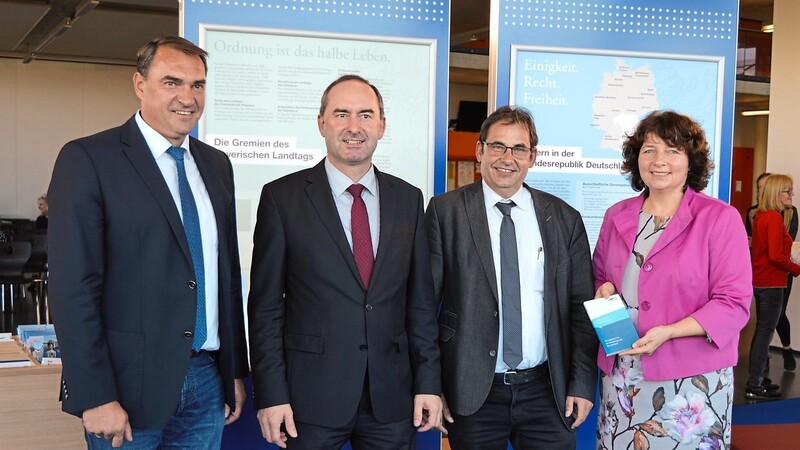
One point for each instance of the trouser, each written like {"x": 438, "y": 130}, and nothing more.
{"x": 768, "y": 310}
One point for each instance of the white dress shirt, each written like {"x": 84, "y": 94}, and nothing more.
{"x": 344, "y": 201}
{"x": 531, "y": 274}
{"x": 208, "y": 223}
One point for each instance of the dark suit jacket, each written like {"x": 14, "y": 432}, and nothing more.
{"x": 314, "y": 332}
{"x": 465, "y": 283}
{"x": 121, "y": 276}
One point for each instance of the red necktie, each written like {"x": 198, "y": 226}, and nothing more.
{"x": 359, "y": 229}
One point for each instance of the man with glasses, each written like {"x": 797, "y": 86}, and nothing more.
{"x": 511, "y": 268}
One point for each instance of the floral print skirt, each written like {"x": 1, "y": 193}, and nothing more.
{"x": 685, "y": 413}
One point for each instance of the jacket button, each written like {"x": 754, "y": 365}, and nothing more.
{"x": 369, "y": 307}
{"x": 648, "y": 267}
{"x": 645, "y": 306}
{"x": 192, "y": 284}
{"x": 495, "y": 314}
{"x": 188, "y": 334}
{"x": 492, "y": 353}
{"x": 362, "y": 347}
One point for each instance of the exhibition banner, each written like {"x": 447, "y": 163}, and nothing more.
{"x": 590, "y": 71}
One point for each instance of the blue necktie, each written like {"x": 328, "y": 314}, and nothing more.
{"x": 191, "y": 226}
{"x": 509, "y": 278}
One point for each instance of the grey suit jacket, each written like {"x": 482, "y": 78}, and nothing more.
{"x": 466, "y": 285}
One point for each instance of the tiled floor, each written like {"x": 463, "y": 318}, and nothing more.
{"x": 788, "y": 381}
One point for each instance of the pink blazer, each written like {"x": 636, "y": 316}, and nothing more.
{"x": 699, "y": 267}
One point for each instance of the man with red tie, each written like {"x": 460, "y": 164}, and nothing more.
{"x": 343, "y": 334}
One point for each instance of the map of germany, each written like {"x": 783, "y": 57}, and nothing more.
{"x": 625, "y": 96}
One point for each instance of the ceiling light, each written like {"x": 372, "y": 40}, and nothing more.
{"x": 768, "y": 28}
{"x": 756, "y": 112}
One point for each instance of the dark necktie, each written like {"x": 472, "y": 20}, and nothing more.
{"x": 509, "y": 279}
{"x": 359, "y": 230}
{"x": 191, "y": 226}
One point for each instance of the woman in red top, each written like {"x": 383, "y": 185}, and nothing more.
{"x": 771, "y": 262}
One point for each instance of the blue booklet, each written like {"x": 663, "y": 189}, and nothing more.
{"x": 612, "y": 323}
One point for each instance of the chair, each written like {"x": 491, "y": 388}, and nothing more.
{"x": 37, "y": 268}
{"x": 13, "y": 257}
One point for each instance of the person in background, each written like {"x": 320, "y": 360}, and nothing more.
{"x": 751, "y": 211}
{"x": 679, "y": 260}
{"x": 512, "y": 268}
{"x": 771, "y": 250}
{"x": 145, "y": 282}
{"x": 784, "y": 327}
{"x": 41, "y": 221}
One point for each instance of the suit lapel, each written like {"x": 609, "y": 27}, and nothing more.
{"x": 551, "y": 245}
{"x": 626, "y": 221}
{"x": 479, "y": 228}
{"x": 319, "y": 193}
{"x": 388, "y": 212}
{"x": 214, "y": 187}
{"x": 682, "y": 218}
{"x": 141, "y": 158}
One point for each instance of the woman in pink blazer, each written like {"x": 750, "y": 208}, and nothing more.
{"x": 680, "y": 260}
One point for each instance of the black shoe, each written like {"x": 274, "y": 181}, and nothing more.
{"x": 769, "y": 385}
{"x": 788, "y": 359}
{"x": 760, "y": 393}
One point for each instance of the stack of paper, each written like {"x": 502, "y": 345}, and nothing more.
{"x": 11, "y": 355}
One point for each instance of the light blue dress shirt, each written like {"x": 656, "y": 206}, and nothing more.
{"x": 159, "y": 145}
{"x": 344, "y": 201}
{"x": 531, "y": 274}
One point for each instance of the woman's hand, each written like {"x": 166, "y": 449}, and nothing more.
{"x": 648, "y": 343}
{"x": 656, "y": 336}
{"x": 605, "y": 290}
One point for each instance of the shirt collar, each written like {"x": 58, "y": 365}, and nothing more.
{"x": 520, "y": 198}
{"x": 340, "y": 182}
{"x": 157, "y": 143}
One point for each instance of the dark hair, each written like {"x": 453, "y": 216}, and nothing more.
{"x": 509, "y": 115}
{"x": 324, "y": 102}
{"x": 146, "y": 54}
{"x": 677, "y": 130}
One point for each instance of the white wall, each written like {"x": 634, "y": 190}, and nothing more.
{"x": 45, "y": 104}
{"x": 782, "y": 156}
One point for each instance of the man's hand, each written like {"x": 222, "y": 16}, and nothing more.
{"x": 427, "y": 412}
{"x": 578, "y": 408}
{"x": 240, "y": 396}
{"x": 446, "y": 416}
{"x": 271, "y": 419}
{"x": 108, "y": 421}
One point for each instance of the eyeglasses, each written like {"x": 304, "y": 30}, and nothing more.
{"x": 789, "y": 191}
{"x": 499, "y": 149}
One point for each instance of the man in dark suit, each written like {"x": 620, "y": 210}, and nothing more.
{"x": 342, "y": 318}
{"x": 145, "y": 284}
{"x": 511, "y": 267}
